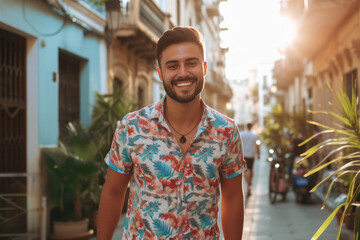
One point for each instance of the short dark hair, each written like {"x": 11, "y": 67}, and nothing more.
{"x": 249, "y": 126}
{"x": 179, "y": 35}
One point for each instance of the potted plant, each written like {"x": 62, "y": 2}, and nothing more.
{"x": 343, "y": 137}
{"x": 72, "y": 181}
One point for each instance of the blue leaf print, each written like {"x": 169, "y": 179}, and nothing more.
{"x": 188, "y": 196}
{"x": 122, "y": 137}
{"x": 151, "y": 208}
{"x": 190, "y": 180}
{"x": 163, "y": 170}
{"x": 132, "y": 140}
{"x": 125, "y": 157}
{"x": 161, "y": 228}
{"x": 211, "y": 171}
{"x": 141, "y": 233}
{"x": 205, "y": 221}
{"x": 135, "y": 122}
{"x": 205, "y": 153}
{"x": 220, "y": 121}
{"x": 150, "y": 151}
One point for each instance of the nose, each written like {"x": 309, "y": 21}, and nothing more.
{"x": 183, "y": 71}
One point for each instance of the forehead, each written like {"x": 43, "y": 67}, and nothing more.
{"x": 181, "y": 51}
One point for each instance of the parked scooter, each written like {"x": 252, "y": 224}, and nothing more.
{"x": 301, "y": 185}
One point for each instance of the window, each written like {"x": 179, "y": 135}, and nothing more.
{"x": 69, "y": 90}
{"x": 141, "y": 97}
{"x": 309, "y": 93}
{"x": 118, "y": 84}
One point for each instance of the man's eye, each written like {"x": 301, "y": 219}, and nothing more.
{"x": 191, "y": 64}
{"x": 171, "y": 66}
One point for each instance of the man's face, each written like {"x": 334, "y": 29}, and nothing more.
{"x": 182, "y": 70}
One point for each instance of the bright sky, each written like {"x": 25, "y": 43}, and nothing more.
{"x": 256, "y": 30}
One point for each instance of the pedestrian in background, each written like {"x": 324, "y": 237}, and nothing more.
{"x": 251, "y": 151}
{"x": 175, "y": 154}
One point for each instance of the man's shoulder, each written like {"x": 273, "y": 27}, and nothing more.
{"x": 147, "y": 112}
{"x": 221, "y": 118}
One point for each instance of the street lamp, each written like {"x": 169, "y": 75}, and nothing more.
{"x": 113, "y": 14}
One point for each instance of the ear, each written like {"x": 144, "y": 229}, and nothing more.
{"x": 159, "y": 73}
{"x": 205, "y": 68}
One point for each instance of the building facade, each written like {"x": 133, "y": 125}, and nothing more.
{"x": 53, "y": 59}
{"x": 326, "y": 52}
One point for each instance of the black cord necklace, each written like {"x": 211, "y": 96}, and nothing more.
{"x": 182, "y": 138}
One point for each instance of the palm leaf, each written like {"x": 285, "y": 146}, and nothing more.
{"x": 316, "y": 135}
{"x": 322, "y": 164}
{"x": 327, "y": 222}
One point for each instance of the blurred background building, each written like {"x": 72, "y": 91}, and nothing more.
{"x": 325, "y": 52}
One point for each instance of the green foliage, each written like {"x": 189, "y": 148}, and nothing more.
{"x": 277, "y": 125}
{"x": 344, "y": 139}
{"x": 108, "y": 110}
{"x": 72, "y": 173}
{"x": 76, "y": 170}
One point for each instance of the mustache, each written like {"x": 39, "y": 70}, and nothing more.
{"x": 175, "y": 81}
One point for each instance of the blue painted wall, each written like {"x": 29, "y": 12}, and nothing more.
{"x": 35, "y": 18}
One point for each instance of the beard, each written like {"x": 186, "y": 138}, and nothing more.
{"x": 185, "y": 98}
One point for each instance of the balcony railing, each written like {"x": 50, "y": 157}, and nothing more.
{"x": 143, "y": 15}
{"x": 141, "y": 24}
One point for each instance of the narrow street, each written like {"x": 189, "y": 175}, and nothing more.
{"x": 282, "y": 220}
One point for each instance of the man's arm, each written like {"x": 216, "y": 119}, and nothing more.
{"x": 232, "y": 207}
{"x": 111, "y": 204}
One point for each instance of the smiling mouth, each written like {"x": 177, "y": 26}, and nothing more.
{"x": 183, "y": 84}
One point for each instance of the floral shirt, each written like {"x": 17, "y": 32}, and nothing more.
{"x": 174, "y": 195}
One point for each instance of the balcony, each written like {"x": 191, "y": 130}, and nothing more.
{"x": 317, "y": 20}
{"x": 141, "y": 25}
{"x": 286, "y": 70}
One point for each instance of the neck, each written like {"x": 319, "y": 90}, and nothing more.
{"x": 182, "y": 114}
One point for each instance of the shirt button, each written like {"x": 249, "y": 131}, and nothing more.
{"x": 178, "y": 183}
{"x": 188, "y": 165}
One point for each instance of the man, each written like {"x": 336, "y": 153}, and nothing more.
{"x": 251, "y": 150}
{"x": 175, "y": 154}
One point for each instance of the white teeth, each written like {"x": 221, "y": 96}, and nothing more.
{"x": 183, "y": 84}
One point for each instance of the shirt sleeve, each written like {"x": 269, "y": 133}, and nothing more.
{"x": 118, "y": 158}
{"x": 234, "y": 163}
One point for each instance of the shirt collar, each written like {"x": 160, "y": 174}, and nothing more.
{"x": 157, "y": 114}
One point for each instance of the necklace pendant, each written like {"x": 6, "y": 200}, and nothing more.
{"x": 182, "y": 139}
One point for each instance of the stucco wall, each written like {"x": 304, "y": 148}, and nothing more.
{"x": 36, "y": 20}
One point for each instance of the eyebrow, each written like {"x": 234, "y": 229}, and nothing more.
{"x": 186, "y": 60}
